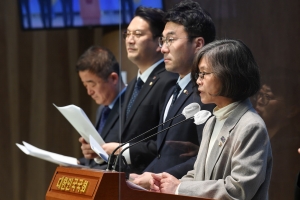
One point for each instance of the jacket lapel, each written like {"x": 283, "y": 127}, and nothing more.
{"x": 224, "y": 134}
{"x": 200, "y": 163}
{"x": 174, "y": 110}
{"x": 150, "y": 83}
{"x": 98, "y": 115}
{"x": 112, "y": 117}
{"x": 129, "y": 91}
{"x": 168, "y": 96}
{"x": 111, "y": 120}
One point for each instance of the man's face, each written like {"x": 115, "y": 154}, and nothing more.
{"x": 140, "y": 45}
{"x": 103, "y": 92}
{"x": 179, "y": 52}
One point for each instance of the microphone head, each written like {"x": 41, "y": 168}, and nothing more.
{"x": 190, "y": 110}
{"x": 201, "y": 117}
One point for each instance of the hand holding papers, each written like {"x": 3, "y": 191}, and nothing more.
{"x": 49, "y": 156}
{"x": 98, "y": 149}
{"x": 85, "y": 128}
{"x": 80, "y": 122}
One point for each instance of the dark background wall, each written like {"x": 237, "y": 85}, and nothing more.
{"x": 37, "y": 69}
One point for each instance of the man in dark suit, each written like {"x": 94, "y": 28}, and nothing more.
{"x": 145, "y": 96}
{"x": 178, "y": 146}
{"x": 99, "y": 72}
{"x": 46, "y": 13}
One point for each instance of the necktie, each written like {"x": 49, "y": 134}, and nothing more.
{"x": 175, "y": 93}
{"x": 104, "y": 114}
{"x": 138, "y": 85}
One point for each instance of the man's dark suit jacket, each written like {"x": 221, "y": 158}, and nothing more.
{"x": 111, "y": 130}
{"x": 146, "y": 111}
{"x": 171, "y": 156}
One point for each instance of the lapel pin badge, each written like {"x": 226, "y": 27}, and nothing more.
{"x": 223, "y": 139}
{"x": 185, "y": 92}
{"x": 150, "y": 83}
{"x": 154, "y": 77}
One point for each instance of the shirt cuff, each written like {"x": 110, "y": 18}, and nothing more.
{"x": 126, "y": 154}
{"x": 177, "y": 190}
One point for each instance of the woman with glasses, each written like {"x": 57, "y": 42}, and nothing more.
{"x": 277, "y": 103}
{"x": 234, "y": 160}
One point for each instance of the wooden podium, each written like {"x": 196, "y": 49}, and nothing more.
{"x": 88, "y": 184}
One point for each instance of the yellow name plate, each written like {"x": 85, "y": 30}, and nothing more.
{"x": 76, "y": 185}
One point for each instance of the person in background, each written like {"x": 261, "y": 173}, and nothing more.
{"x": 181, "y": 39}
{"x": 146, "y": 93}
{"x": 277, "y": 103}
{"x": 26, "y": 12}
{"x": 46, "y": 12}
{"x": 68, "y": 12}
{"x": 99, "y": 72}
{"x": 235, "y": 156}
{"x": 129, "y": 4}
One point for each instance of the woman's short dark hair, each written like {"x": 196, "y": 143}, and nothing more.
{"x": 154, "y": 17}
{"x": 233, "y": 64}
{"x": 99, "y": 61}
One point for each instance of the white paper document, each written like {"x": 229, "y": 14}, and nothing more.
{"x": 77, "y": 117}
{"x": 98, "y": 149}
{"x": 49, "y": 156}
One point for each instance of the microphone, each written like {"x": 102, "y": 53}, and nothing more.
{"x": 123, "y": 159}
{"x": 201, "y": 117}
{"x": 189, "y": 111}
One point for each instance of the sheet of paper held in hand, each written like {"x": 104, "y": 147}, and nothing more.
{"x": 98, "y": 149}
{"x": 77, "y": 117}
{"x": 49, "y": 156}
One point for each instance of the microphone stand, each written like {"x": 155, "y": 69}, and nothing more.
{"x": 112, "y": 157}
{"x": 124, "y": 163}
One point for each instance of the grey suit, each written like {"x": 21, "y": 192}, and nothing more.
{"x": 240, "y": 162}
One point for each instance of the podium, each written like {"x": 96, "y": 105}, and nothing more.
{"x": 88, "y": 184}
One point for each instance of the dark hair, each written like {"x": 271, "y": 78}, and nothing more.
{"x": 99, "y": 61}
{"x": 196, "y": 21}
{"x": 283, "y": 84}
{"x": 233, "y": 64}
{"x": 154, "y": 17}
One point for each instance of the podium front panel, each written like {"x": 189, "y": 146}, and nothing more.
{"x": 89, "y": 184}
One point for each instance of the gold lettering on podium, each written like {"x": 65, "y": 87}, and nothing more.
{"x": 69, "y": 183}
{"x": 72, "y": 184}
{"x": 84, "y": 186}
{"x": 79, "y": 184}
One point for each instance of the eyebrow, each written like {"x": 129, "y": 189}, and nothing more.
{"x": 134, "y": 30}
{"x": 170, "y": 33}
{"x": 89, "y": 81}
{"x": 203, "y": 67}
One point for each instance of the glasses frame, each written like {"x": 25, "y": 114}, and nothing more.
{"x": 168, "y": 40}
{"x": 265, "y": 98}
{"x": 201, "y": 75}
